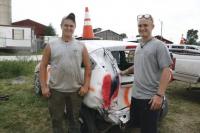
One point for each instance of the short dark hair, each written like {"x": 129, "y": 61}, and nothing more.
{"x": 71, "y": 17}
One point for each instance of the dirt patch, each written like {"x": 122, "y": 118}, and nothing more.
{"x": 18, "y": 80}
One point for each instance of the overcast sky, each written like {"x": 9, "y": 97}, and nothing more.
{"x": 118, "y": 15}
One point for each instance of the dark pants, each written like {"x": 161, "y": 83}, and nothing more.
{"x": 142, "y": 117}
{"x": 57, "y": 104}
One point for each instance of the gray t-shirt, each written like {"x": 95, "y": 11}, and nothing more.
{"x": 66, "y": 59}
{"x": 149, "y": 62}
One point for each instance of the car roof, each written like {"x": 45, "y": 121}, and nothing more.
{"x": 93, "y": 45}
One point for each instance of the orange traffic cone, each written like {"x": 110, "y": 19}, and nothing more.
{"x": 87, "y": 29}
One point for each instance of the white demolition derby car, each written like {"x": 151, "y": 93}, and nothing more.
{"x": 107, "y": 103}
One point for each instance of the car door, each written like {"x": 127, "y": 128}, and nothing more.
{"x": 124, "y": 59}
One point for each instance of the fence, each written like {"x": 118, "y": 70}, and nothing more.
{"x": 34, "y": 45}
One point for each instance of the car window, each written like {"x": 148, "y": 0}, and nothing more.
{"x": 130, "y": 56}
{"x": 184, "y": 52}
{"x": 124, "y": 59}
{"x": 178, "y": 47}
{"x": 92, "y": 63}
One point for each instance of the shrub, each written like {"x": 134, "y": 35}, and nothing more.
{"x": 10, "y": 69}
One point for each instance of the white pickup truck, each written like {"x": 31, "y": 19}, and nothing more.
{"x": 187, "y": 64}
{"x": 187, "y": 68}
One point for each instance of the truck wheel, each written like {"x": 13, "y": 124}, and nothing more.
{"x": 37, "y": 86}
{"x": 84, "y": 128}
{"x": 164, "y": 109}
{"x": 88, "y": 119}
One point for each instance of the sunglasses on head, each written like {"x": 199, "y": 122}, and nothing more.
{"x": 145, "y": 16}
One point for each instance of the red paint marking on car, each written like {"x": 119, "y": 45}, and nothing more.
{"x": 106, "y": 86}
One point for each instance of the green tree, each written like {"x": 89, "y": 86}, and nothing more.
{"x": 50, "y": 31}
{"x": 192, "y": 36}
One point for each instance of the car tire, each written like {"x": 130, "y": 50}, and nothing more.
{"x": 84, "y": 128}
{"x": 37, "y": 86}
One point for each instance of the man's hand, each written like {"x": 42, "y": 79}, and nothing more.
{"x": 122, "y": 73}
{"x": 130, "y": 70}
{"x": 156, "y": 102}
{"x": 83, "y": 91}
{"x": 46, "y": 92}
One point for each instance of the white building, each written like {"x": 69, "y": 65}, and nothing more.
{"x": 12, "y": 37}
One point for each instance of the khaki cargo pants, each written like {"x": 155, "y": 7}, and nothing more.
{"x": 57, "y": 103}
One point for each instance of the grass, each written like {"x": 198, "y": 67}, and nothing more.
{"x": 20, "y": 52}
{"x": 9, "y": 69}
{"x": 26, "y": 113}
{"x": 184, "y": 110}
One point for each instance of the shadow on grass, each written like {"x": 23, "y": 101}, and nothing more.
{"x": 180, "y": 90}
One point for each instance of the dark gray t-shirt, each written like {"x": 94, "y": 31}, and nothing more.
{"x": 149, "y": 62}
{"x": 66, "y": 59}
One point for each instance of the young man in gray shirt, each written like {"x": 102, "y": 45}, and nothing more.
{"x": 65, "y": 84}
{"x": 151, "y": 77}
